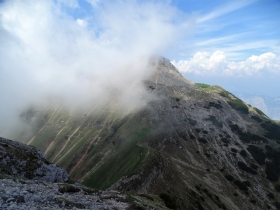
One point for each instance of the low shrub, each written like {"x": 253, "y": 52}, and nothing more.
{"x": 229, "y": 177}
{"x": 241, "y": 185}
{"x": 244, "y": 167}
{"x": 66, "y": 188}
{"x": 243, "y": 153}
{"x": 257, "y": 154}
{"x": 169, "y": 201}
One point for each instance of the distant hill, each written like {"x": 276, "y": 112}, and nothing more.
{"x": 269, "y": 105}
{"x": 195, "y": 146}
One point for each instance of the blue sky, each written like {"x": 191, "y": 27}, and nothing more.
{"x": 235, "y": 30}
{"x": 238, "y": 30}
{"x": 234, "y": 44}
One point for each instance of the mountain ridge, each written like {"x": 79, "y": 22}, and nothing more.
{"x": 196, "y": 146}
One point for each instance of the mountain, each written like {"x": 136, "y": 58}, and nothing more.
{"x": 194, "y": 146}
{"x": 269, "y": 105}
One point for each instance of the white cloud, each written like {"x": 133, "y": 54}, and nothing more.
{"x": 82, "y": 22}
{"x": 93, "y": 3}
{"x": 225, "y": 9}
{"x": 69, "y": 3}
{"x": 45, "y": 53}
{"x": 217, "y": 65}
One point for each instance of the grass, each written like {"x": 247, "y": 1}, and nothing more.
{"x": 129, "y": 158}
{"x": 239, "y": 105}
{"x": 259, "y": 112}
{"x": 45, "y": 137}
{"x": 201, "y": 85}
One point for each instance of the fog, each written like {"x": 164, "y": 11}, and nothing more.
{"x": 80, "y": 56}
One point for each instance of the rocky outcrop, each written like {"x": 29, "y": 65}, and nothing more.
{"x": 29, "y": 181}
{"x": 27, "y": 194}
{"x": 25, "y": 161}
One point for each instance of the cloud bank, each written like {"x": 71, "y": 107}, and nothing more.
{"x": 216, "y": 64}
{"x": 55, "y": 50}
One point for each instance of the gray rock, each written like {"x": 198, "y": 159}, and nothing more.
{"x": 28, "y": 162}
{"x": 41, "y": 195}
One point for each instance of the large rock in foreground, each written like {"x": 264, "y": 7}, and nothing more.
{"x": 25, "y": 161}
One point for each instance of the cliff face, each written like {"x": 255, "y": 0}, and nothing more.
{"x": 194, "y": 145}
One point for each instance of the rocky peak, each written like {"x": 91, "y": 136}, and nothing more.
{"x": 166, "y": 73}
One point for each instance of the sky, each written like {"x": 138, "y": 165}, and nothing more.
{"x": 236, "y": 44}
{"x": 78, "y": 51}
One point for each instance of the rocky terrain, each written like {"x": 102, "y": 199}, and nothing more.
{"x": 193, "y": 146}
{"x": 26, "y": 194}
{"x": 29, "y": 181}
{"x": 27, "y": 162}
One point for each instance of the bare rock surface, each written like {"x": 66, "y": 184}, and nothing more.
{"x": 24, "y": 161}
{"x": 29, "y": 194}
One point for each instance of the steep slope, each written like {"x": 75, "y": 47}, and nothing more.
{"x": 269, "y": 105}
{"x": 194, "y": 145}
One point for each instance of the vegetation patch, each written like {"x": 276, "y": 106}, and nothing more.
{"x": 192, "y": 122}
{"x": 201, "y": 85}
{"x": 229, "y": 177}
{"x": 241, "y": 185}
{"x": 243, "y": 153}
{"x": 147, "y": 196}
{"x": 277, "y": 187}
{"x": 277, "y": 205}
{"x": 253, "y": 201}
{"x": 168, "y": 200}
{"x": 257, "y": 154}
{"x": 270, "y": 195}
{"x": 239, "y": 105}
{"x": 256, "y": 118}
{"x": 197, "y": 130}
{"x": 259, "y": 111}
{"x": 233, "y": 150}
{"x": 202, "y": 140}
{"x": 225, "y": 140}
{"x": 267, "y": 147}
{"x": 244, "y": 167}
{"x": 214, "y": 121}
{"x": 234, "y": 127}
{"x": 152, "y": 87}
{"x": 253, "y": 166}
{"x": 215, "y": 105}
{"x": 272, "y": 169}
{"x": 272, "y": 130}
{"x": 129, "y": 158}
{"x": 272, "y": 172}
{"x": 67, "y": 188}
{"x": 247, "y": 137}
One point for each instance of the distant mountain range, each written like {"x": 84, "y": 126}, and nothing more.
{"x": 269, "y": 105}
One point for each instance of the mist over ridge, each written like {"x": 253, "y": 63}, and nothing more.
{"x": 48, "y": 56}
